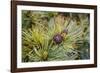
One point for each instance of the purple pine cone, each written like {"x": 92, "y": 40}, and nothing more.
{"x": 57, "y": 38}
{"x": 65, "y": 31}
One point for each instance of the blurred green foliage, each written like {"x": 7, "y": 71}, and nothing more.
{"x": 38, "y": 32}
